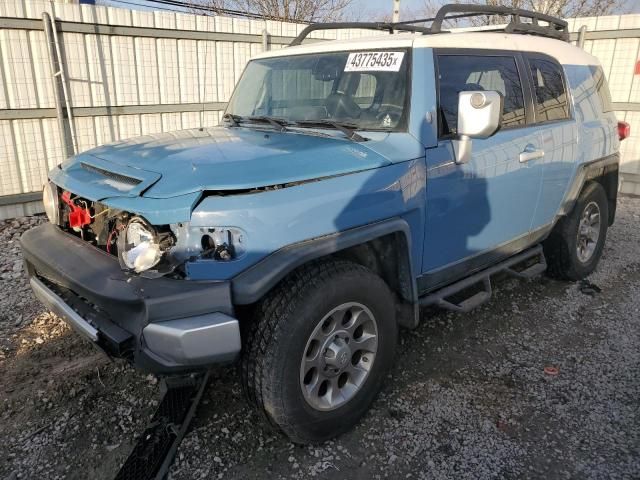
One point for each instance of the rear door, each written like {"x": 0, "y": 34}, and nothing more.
{"x": 558, "y": 130}
{"x": 484, "y": 208}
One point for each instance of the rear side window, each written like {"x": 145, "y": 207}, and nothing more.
{"x": 459, "y": 73}
{"x": 550, "y": 94}
{"x": 602, "y": 88}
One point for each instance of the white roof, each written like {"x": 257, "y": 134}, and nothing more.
{"x": 564, "y": 52}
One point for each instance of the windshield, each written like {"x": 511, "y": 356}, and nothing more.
{"x": 367, "y": 90}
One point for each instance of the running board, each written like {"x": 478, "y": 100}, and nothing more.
{"x": 153, "y": 454}
{"x": 525, "y": 265}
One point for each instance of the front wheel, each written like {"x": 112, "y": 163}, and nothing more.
{"x": 318, "y": 349}
{"x": 574, "y": 248}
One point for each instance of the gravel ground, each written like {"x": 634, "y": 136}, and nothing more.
{"x": 468, "y": 397}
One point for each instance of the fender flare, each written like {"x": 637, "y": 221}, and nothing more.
{"x": 252, "y": 284}
{"x": 592, "y": 171}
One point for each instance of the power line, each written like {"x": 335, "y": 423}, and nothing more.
{"x": 226, "y": 11}
{"x": 206, "y": 8}
{"x": 139, "y": 5}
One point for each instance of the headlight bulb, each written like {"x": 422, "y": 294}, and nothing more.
{"x": 138, "y": 246}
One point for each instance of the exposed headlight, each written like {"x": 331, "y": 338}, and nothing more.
{"x": 139, "y": 246}
{"x": 51, "y": 202}
{"x": 221, "y": 244}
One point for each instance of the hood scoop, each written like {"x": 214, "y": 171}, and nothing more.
{"x": 118, "y": 181}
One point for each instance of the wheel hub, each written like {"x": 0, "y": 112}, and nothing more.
{"x": 588, "y": 232}
{"x": 337, "y": 353}
{"x": 338, "y": 356}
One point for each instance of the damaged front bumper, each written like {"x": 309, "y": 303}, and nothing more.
{"x": 161, "y": 325}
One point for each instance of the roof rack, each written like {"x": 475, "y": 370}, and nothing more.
{"x": 554, "y": 28}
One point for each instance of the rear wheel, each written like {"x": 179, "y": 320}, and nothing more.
{"x": 319, "y": 348}
{"x": 574, "y": 248}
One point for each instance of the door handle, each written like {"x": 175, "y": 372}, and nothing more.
{"x": 530, "y": 153}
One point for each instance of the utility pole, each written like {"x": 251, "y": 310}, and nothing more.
{"x": 396, "y": 11}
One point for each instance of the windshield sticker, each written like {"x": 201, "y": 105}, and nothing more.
{"x": 374, "y": 62}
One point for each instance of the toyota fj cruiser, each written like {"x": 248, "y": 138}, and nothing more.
{"x": 350, "y": 183}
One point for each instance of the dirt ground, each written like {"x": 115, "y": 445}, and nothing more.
{"x": 468, "y": 397}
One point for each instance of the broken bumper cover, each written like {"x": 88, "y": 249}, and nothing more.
{"x": 162, "y": 325}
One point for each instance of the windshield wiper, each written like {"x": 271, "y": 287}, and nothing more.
{"x": 349, "y": 129}
{"x": 279, "y": 123}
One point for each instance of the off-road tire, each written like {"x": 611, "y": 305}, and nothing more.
{"x": 560, "y": 248}
{"x": 276, "y": 338}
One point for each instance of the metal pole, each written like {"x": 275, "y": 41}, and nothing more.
{"x": 57, "y": 91}
{"x": 63, "y": 81}
{"x": 396, "y": 11}
{"x": 581, "y": 35}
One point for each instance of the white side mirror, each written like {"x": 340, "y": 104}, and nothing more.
{"x": 479, "y": 115}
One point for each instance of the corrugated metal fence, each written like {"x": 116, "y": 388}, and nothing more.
{"x": 138, "y": 72}
{"x": 127, "y": 73}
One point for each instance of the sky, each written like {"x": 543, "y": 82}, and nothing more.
{"x": 368, "y": 6}
{"x": 360, "y": 8}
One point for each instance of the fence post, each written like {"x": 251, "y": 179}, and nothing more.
{"x": 266, "y": 40}
{"x": 63, "y": 119}
{"x": 581, "y": 35}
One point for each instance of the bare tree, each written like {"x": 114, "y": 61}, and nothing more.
{"x": 284, "y": 10}
{"x": 556, "y": 8}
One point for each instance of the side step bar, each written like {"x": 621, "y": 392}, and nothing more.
{"x": 153, "y": 455}
{"x": 525, "y": 265}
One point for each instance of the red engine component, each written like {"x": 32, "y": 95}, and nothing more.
{"x": 78, "y": 216}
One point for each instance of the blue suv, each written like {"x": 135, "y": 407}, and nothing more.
{"x": 350, "y": 183}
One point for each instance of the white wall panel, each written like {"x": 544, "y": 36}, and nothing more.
{"x": 622, "y": 68}
{"x": 41, "y": 69}
{"x": 54, "y": 153}
{"x": 225, "y": 69}
{"x": 129, "y": 126}
{"x": 18, "y": 69}
{"x": 85, "y": 133}
{"x": 76, "y": 69}
{"x": 124, "y": 70}
{"x": 107, "y": 129}
{"x": 629, "y": 21}
{"x": 101, "y": 70}
{"x": 10, "y": 182}
{"x": 168, "y": 70}
{"x": 188, "y": 71}
{"x": 29, "y": 144}
{"x": 609, "y": 22}
{"x": 207, "y": 72}
{"x": 604, "y": 50}
{"x": 148, "y": 75}
{"x": 151, "y": 123}
{"x": 171, "y": 122}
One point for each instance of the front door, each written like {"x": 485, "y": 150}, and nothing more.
{"x": 481, "y": 210}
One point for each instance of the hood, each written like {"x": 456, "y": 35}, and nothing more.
{"x": 172, "y": 164}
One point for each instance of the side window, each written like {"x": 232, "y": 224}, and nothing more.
{"x": 459, "y": 73}
{"x": 550, "y": 94}
{"x": 602, "y": 88}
